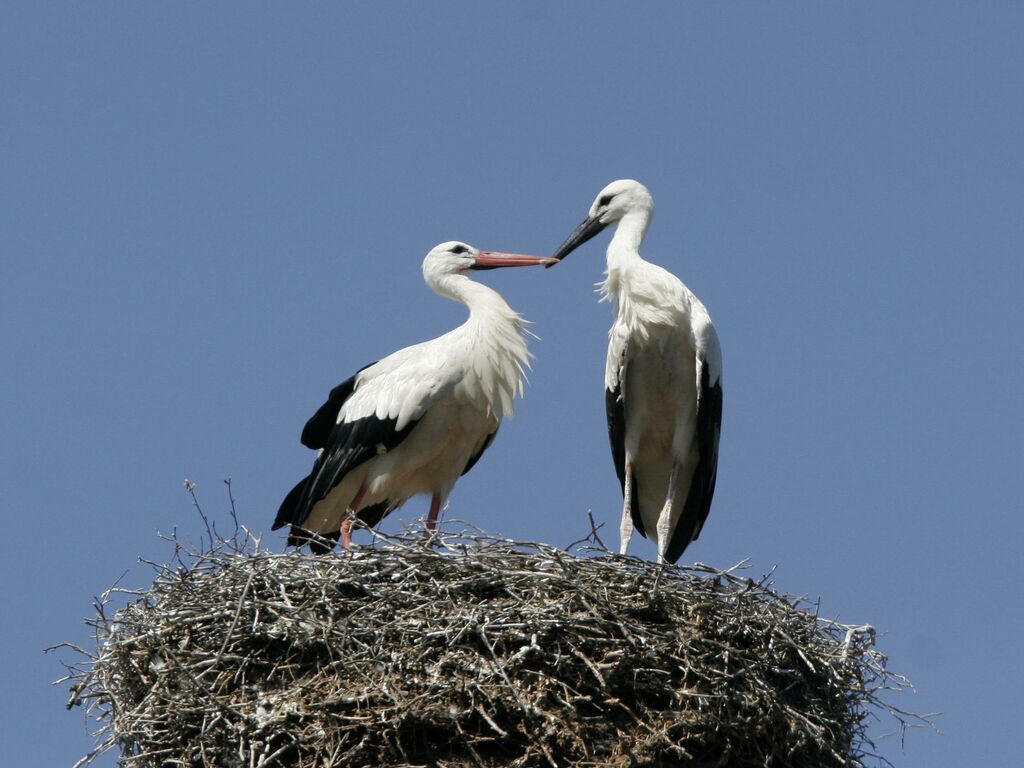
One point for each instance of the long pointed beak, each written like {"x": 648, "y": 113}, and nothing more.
{"x": 587, "y": 229}
{"x": 496, "y": 259}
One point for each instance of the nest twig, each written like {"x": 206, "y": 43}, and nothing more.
{"x": 477, "y": 651}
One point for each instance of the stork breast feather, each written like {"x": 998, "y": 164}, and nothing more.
{"x": 485, "y": 367}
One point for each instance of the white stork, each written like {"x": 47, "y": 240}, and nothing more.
{"x": 417, "y": 420}
{"x": 663, "y": 380}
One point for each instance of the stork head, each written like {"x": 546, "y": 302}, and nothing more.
{"x": 456, "y": 258}
{"x": 613, "y": 203}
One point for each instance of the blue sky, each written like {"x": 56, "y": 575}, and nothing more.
{"x": 211, "y": 214}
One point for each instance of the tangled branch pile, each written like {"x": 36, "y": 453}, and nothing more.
{"x": 480, "y": 652}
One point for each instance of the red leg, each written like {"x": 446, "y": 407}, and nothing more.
{"x": 435, "y": 508}
{"x": 346, "y": 532}
{"x": 346, "y": 521}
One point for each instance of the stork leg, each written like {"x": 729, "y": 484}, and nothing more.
{"x": 626, "y": 527}
{"x": 435, "y": 509}
{"x": 665, "y": 518}
{"x": 349, "y": 516}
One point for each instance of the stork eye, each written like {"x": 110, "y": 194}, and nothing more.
{"x": 604, "y": 201}
{"x": 460, "y": 249}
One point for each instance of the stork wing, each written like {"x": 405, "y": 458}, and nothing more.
{"x": 615, "y": 407}
{"x": 709, "y": 426}
{"x": 318, "y": 429}
{"x": 350, "y": 444}
{"x": 364, "y": 416}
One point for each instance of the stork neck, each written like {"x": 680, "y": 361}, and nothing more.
{"x": 629, "y": 234}
{"x": 478, "y": 298}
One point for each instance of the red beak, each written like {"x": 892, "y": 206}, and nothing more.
{"x": 496, "y": 259}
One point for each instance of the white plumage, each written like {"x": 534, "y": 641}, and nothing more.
{"x": 419, "y": 418}
{"x": 663, "y": 380}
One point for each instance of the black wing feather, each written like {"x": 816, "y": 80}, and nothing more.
{"x": 351, "y": 443}
{"x": 318, "y": 429}
{"x": 702, "y": 488}
{"x": 322, "y": 543}
{"x": 287, "y": 512}
{"x": 370, "y": 516}
{"x": 344, "y": 445}
{"x": 617, "y": 431}
{"x": 615, "y": 407}
{"x": 476, "y": 457}
{"x": 319, "y": 543}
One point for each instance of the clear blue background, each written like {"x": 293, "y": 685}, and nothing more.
{"x": 212, "y": 213}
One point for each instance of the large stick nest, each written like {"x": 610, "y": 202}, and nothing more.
{"x": 476, "y": 652}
